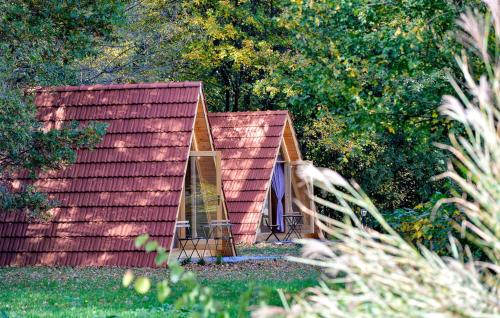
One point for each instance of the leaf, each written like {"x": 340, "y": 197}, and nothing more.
{"x": 128, "y": 277}
{"x": 142, "y": 285}
{"x": 161, "y": 258}
{"x": 141, "y": 240}
{"x": 163, "y": 291}
{"x": 151, "y": 246}
{"x": 189, "y": 277}
{"x": 175, "y": 272}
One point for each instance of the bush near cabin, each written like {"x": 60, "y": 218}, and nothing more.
{"x": 425, "y": 226}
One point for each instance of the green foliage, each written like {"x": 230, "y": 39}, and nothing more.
{"x": 201, "y": 261}
{"x": 390, "y": 276}
{"x": 372, "y": 75}
{"x": 384, "y": 63}
{"x": 40, "y": 44}
{"x": 394, "y": 170}
{"x": 148, "y": 48}
{"x": 361, "y": 79}
{"x": 232, "y": 46}
{"x": 186, "y": 261}
{"x": 128, "y": 278}
{"x": 40, "y": 40}
{"x": 141, "y": 240}
{"x": 218, "y": 260}
{"x": 240, "y": 45}
{"x": 28, "y": 199}
{"x": 191, "y": 298}
{"x": 423, "y": 226}
{"x": 377, "y": 70}
{"x": 161, "y": 256}
{"x": 163, "y": 290}
{"x": 142, "y": 285}
{"x": 151, "y": 246}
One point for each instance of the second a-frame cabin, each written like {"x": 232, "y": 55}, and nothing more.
{"x": 260, "y": 155}
{"x": 156, "y": 169}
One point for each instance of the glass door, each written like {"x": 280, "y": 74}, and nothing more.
{"x": 203, "y": 191}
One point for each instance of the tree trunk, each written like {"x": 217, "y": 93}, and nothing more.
{"x": 246, "y": 100}
{"x": 227, "y": 90}
{"x": 236, "y": 98}
{"x": 227, "y": 107}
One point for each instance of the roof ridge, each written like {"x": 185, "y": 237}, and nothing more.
{"x": 101, "y": 87}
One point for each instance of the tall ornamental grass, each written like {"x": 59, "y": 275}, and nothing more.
{"x": 372, "y": 274}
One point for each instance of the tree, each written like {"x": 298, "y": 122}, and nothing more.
{"x": 233, "y": 46}
{"x": 370, "y": 68}
{"x": 149, "y": 46}
{"x": 240, "y": 46}
{"x": 362, "y": 79}
{"x": 39, "y": 43}
{"x": 366, "y": 83}
{"x": 395, "y": 169}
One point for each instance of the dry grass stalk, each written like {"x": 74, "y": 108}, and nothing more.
{"x": 382, "y": 275}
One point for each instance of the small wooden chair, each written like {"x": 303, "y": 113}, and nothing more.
{"x": 272, "y": 227}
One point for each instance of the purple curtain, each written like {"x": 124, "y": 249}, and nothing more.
{"x": 278, "y": 185}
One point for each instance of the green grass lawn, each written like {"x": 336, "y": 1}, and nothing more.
{"x": 270, "y": 249}
{"x": 97, "y": 292}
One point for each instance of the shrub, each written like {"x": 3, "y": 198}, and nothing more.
{"x": 201, "y": 261}
{"x": 425, "y": 226}
{"x": 186, "y": 261}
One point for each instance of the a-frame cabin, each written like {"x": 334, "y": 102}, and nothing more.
{"x": 156, "y": 166}
{"x": 260, "y": 154}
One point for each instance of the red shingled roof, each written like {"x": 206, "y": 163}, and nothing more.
{"x": 249, "y": 143}
{"x": 129, "y": 185}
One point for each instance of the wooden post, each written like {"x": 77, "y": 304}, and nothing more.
{"x": 182, "y": 213}
{"x": 193, "y": 196}
{"x": 218, "y": 184}
{"x": 288, "y": 189}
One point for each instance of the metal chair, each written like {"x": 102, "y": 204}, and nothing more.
{"x": 188, "y": 237}
{"x": 294, "y": 224}
{"x": 272, "y": 227}
{"x": 219, "y": 231}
